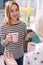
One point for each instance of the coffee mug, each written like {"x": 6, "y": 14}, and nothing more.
{"x": 15, "y": 37}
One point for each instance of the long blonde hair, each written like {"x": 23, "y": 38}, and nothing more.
{"x": 8, "y": 5}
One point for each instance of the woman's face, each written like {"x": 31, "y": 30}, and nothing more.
{"x": 14, "y": 12}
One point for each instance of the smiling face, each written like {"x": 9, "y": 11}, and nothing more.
{"x": 14, "y": 12}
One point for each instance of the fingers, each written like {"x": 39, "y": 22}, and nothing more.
{"x": 11, "y": 55}
{"x": 8, "y": 58}
{"x": 5, "y": 57}
{"x": 31, "y": 34}
{"x": 8, "y": 55}
{"x": 10, "y": 35}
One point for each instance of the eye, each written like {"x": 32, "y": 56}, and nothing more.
{"x": 16, "y": 9}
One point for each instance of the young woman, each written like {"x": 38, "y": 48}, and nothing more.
{"x": 13, "y": 32}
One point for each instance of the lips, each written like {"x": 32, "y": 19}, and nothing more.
{"x": 15, "y": 16}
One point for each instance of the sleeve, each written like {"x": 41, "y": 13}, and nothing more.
{"x": 2, "y": 34}
{"x": 25, "y": 29}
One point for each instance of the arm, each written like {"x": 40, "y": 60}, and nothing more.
{"x": 4, "y": 39}
{"x": 28, "y": 35}
{"x": 2, "y": 35}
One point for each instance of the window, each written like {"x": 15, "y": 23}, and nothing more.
{"x": 2, "y": 3}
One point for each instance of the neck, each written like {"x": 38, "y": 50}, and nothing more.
{"x": 14, "y": 21}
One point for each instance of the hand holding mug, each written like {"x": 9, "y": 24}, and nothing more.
{"x": 9, "y": 38}
{"x": 30, "y": 35}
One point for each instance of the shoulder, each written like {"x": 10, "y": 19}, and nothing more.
{"x": 3, "y": 25}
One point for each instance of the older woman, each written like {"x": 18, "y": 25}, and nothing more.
{"x": 36, "y": 57}
{"x": 39, "y": 23}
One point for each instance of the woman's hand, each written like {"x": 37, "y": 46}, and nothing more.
{"x": 29, "y": 35}
{"x": 12, "y": 37}
{"x": 9, "y": 37}
{"x": 9, "y": 60}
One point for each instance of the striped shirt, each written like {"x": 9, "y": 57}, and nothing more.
{"x": 15, "y": 48}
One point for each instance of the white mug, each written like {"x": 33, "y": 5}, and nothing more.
{"x": 31, "y": 46}
{"x": 15, "y": 36}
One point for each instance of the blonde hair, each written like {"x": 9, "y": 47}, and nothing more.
{"x": 39, "y": 22}
{"x": 8, "y": 5}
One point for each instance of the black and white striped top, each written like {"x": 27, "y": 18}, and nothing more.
{"x": 15, "y": 48}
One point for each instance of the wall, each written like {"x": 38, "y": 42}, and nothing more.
{"x": 1, "y": 17}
